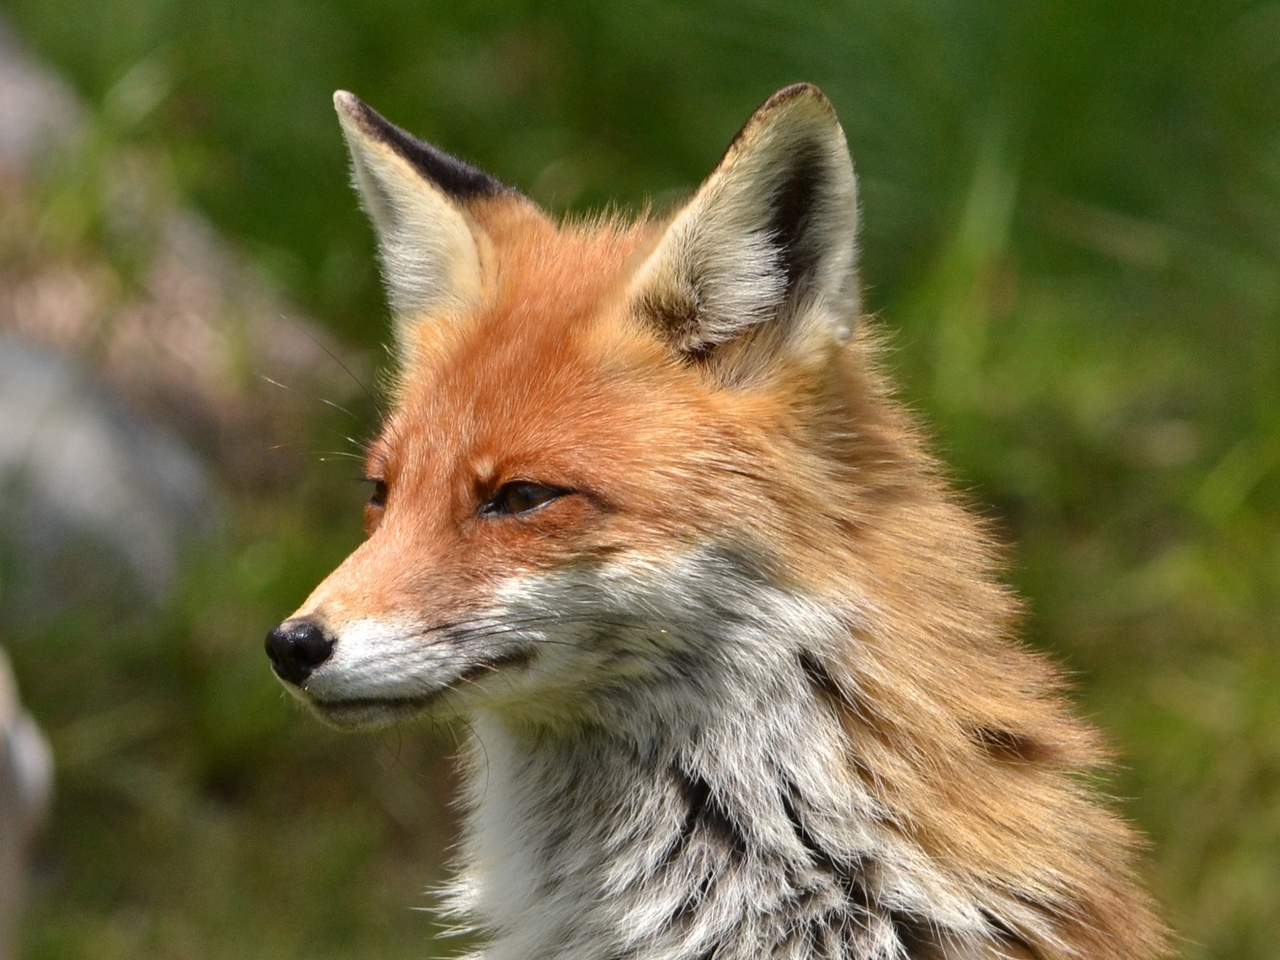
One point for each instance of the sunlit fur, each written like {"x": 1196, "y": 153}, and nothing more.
{"x": 749, "y": 688}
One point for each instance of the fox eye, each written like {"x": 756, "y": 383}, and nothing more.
{"x": 375, "y": 506}
{"x": 520, "y": 496}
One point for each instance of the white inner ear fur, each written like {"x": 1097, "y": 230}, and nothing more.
{"x": 721, "y": 266}
{"x": 428, "y": 246}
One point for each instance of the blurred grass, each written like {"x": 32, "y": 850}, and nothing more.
{"x": 1072, "y": 223}
{"x": 200, "y": 814}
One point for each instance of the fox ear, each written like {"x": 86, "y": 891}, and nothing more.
{"x": 416, "y": 196}
{"x": 762, "y": 259}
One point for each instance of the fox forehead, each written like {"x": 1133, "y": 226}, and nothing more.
{"x": 550, "y": 378}
{"x": 535, "y": 276}
{"x": 532, "y": 369}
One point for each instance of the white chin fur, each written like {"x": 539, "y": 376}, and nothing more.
{"x": 388, "y": 661}
{"x": 574, "y": 633}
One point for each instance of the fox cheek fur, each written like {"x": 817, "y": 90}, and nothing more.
{"x": 646, "y": 513}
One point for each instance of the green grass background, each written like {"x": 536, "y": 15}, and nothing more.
{"x": 1071, "y": 225}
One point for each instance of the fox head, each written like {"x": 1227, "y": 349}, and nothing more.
{"x": 607, "y": 441}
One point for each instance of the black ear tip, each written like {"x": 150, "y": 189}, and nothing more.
{"x": 800, "y": 103}
{"x": 368, "y": 120}
{"x": 354, "y": 110}
{"x": 797, "y": 91}
{"x": 455, "y": 177}
{"x": 346, "y": 102}
{"x": 796, "y": 95}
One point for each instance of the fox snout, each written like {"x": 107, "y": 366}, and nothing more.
{"x": 296, "y": 648}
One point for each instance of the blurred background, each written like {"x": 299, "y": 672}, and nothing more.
{"x": 1071, "y": 230}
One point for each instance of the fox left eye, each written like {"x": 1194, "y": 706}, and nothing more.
{"x": 520, "y": 496}
{"x": 374, "y": 508}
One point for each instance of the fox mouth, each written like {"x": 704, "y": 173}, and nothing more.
{"x": 355, "y": 712}
{"x": 372, "y": 711}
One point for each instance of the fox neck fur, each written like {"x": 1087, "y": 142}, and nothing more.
{"x": 708, "y": 811}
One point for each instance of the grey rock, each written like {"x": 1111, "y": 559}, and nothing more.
{"x": 26, "y": 783}
{"x": 38, "y": 110}
{"x": 82, "y": 479}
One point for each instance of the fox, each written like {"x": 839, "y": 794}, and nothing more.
{"x": 738, "y": 672}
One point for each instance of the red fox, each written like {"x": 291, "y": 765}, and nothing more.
{"x": 741, "y": 671}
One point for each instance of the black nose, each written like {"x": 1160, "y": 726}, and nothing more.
{"x": 296, "y": 647}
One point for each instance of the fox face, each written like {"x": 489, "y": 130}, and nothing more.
{"x": 599, "y": 430}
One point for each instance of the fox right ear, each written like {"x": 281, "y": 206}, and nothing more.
{"x": 761, "y": 262}
{"x": 416, "y": 196}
